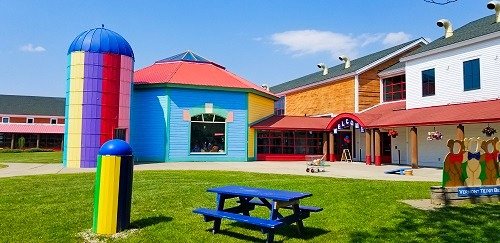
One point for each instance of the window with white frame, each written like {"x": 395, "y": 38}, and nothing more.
{"x": 53, "y": 120}
{"x": 30, "y": 120}
{"x": 279, "y": 106}
{"x": 5, "y": 119}
{"x": 208, "y": 133}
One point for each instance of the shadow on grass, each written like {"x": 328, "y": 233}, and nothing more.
{"x": 478, "y": 223}
{"x": 288, "y": 232}
{"x": 149, "y": 221}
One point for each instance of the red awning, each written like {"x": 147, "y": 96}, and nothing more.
{"x": 396, "y": 115}
{"x": 293, "y": 123}
{"x": 31, "y": 128}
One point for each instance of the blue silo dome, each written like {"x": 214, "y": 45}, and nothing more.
{"x": 101, "y": 40}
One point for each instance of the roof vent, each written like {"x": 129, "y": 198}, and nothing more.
{"x": 323, "y": 67}
{"x": 446, "y": 24}
{"x": 496, "y": 6}
{"x": 346, "y": 60}
{"x": 265, "y": 86}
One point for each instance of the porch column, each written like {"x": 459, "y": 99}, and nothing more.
{"x": 414, "y": 147}
{"x": 331, "y": 153}
{"x": 378, "y": 157}
{"x": 460, "y": 135}
{"x": 324, "y": 146}
{"x": 368, "y": 146}
{"x": 12, "y": 141}
{"x": 38, "y": 141}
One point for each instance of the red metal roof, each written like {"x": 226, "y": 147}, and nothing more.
{"x": 293, "y": 123}
{"x": 31, "y": 128}
{"x": 396, "y": 115}
{"x": 193, "y": 73}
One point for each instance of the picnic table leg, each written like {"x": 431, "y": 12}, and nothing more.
{"x": 296, "y": 211}
{"x": 244, "y": 203}
{"x": 220, "y": 206}
{"x": 270, "y": 236}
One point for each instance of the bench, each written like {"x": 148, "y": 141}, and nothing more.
{"x": 258, "y": 202}
{"x": 211, "y": 214}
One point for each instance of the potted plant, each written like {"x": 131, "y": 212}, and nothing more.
{"x": 489, "y": 131}
{"x": 393, "y": 133}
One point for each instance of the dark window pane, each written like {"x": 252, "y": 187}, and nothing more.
{"x": 428, "y": 80}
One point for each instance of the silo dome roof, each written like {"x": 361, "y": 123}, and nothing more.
{"x": 101, "y": 40}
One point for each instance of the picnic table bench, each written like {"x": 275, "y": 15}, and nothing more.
{"x": 248, "y": 198}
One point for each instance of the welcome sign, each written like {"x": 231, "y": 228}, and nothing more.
{"x": 478, "y": 191}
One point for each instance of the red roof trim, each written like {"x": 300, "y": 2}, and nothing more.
{"x": 337, "y": 119}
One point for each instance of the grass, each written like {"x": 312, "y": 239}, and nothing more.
{"x": 33, "y": 157}
{"x": 3, "y": 166}
{"x": 55, "y": 208}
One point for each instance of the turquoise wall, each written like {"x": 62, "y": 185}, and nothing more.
{"x": 148, "y": 126}
{"x": 236, "y": 131}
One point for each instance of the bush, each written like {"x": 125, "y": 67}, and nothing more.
{"x": 31, "y": 150}
{"x": 20, "y": 142}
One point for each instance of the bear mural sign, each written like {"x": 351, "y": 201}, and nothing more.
{"x": 469, "y": 175}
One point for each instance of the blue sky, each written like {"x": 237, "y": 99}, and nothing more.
{"x": 263, "y": 41}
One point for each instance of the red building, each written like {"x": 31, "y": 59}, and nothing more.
{"x": 39, "y": 120}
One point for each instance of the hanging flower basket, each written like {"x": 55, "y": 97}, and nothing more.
{"x": 435, "y": 135}
{"x": 489, "y": 131}
{"x": 392, "y": 133}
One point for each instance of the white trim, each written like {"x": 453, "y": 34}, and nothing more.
{"x": 356, "y": 94}
{"x": 381, "y": 93}
{"x": 400, "y": 51}
{"x": 325, "y": 115}
{"x": 383, "y": 103}
{"x": 364, "y": 69}
{"x": 452, "y": 46}
{"x": 8, "y": 119}
{"x": 28, "y": 118}
{"x": 392, "y": 73}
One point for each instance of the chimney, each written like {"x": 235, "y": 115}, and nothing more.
{"x": 323, "y": 67}
{"x": 446, "y": 24}
{"x": 496, "y": 6}
{"x": 346, "y": 60}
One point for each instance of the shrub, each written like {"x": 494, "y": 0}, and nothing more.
{"x": 20, "y": 142}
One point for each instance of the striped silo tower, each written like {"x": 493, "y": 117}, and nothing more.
{"x": 99, "y": 82}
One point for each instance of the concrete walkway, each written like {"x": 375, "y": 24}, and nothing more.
{"x": 337, "y": 169}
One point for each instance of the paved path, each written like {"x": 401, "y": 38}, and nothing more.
{"x": 336, "y": 169}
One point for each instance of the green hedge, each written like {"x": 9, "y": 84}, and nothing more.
{"x": 31, "y": 150}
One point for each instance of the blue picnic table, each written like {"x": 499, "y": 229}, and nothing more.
{"x": 248, "y": 198}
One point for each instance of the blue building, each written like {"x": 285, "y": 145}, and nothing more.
{"x": 187, "y": 108}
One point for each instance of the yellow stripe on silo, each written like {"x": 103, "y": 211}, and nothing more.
{"x": 258, "y": 108}
{"x": 108, "y": 195}
{"x": 74, "y": 121}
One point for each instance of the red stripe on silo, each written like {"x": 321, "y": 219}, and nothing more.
{"x": 110, "y": 96}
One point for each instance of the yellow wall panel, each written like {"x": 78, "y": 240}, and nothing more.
{"x": 76, "y": 71}
{"x": 258, "y": 108}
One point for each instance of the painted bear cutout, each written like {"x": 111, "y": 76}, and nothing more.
{"x": 490, "y": 161}
{"x": 473, "y": 164}
{"x": 452, "y": 171}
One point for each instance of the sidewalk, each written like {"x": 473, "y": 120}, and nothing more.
{"x": 353, "y": 170}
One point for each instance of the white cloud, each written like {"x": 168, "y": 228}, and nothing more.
{"x": 32, "y": 48}
{"x": 302, "y": 42}
{"x": 392, "y": 39}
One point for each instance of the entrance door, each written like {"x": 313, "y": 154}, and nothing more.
{"x": 386, "y": 148}
{"x": 343, "y": 140}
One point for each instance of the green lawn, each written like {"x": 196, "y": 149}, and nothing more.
{"x": 55, "y": 208}
{"x": 33, "y": 157}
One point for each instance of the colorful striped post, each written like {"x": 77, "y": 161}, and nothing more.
{"x": 113, "y": 188}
